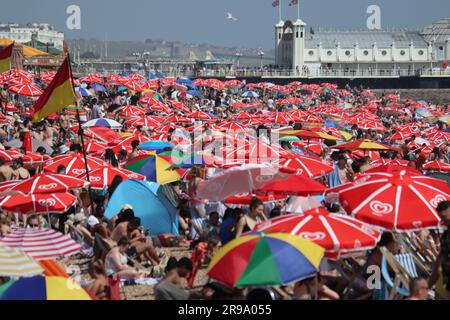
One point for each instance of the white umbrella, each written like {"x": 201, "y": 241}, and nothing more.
{"x": 243, "y": 179}
{"x": 103, "y": 122}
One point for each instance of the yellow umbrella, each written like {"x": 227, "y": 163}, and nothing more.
{"x": 308, "y": 134}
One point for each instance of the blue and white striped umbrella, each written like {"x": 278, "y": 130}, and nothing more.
{"x": 250, "y": 94}
{"x": 103, "y": 122}
{"x": 83, "y": 91}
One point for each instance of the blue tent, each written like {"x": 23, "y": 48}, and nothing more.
{"x": 149, "y": 203}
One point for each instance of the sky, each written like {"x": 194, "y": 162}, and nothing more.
{"x": 204, "y": 21}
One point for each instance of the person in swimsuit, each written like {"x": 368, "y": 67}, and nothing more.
{"x": 249, "y": 221}
{"x": 20, "y": 173}
{"x": 99, "y": 286}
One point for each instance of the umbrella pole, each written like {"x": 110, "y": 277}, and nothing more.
{"x": 83, "y": 148}
{"x": 316, "y": 287}
{"x": 48, "y": 215}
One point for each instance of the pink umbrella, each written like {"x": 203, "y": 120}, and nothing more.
{"x": 237, "y": 180}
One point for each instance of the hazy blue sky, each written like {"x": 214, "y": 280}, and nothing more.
{"x": 204, "y": 20}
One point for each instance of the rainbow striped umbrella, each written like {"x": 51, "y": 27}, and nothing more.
{"x": 154, "y": 168}
{"x": 45, "y": 288}
{"x": 259, "y": 259}
{"x": 16, "y": 263}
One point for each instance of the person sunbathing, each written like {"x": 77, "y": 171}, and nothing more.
{"x": 116, "y": 262}
{"x": 99, "y": 286}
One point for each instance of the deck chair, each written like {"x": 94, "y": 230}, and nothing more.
{"x": 349, "y": 269}
{"x": 404, "y": 268}
{"x": 85, "y": 237}
{"x": 423, "y": 256}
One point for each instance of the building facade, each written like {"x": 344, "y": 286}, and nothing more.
{"x": 297, "y": 48}
{"x": 43, "y": 32}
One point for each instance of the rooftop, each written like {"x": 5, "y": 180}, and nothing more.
{"x": 364, "y": 38}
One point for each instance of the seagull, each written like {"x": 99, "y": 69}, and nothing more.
{"x": 230, "y": 17}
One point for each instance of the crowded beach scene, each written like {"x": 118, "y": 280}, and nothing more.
{"x": 244, "y": 150}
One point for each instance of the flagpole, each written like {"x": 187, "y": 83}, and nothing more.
{"x": 298, "y": 9}
{"x": 279, "y": 10}
{"x": 81, "y": 134}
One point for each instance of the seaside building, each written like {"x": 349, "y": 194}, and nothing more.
{"x": 43, "y": 32}
{"x": 298, "y": 48}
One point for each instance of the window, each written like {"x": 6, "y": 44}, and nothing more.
{"x": 441, "y": 48}
{"x": 421, "y": 52}
{"x": 311, "y": 52}
{"x": 329, "y": 52}
{"x": 301, "y": 34}
{"x": 296, "y": 34}
{"x": 402, "y": 52}
{"x": 347, "y": 53}
{"x": 384, "y": 52}
{"x": 279, "y": 36}
{"x": 366, "y": 53}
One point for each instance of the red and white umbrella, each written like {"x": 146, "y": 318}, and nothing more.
{"x": 337, "y": 234}
{"x": 152, "y": 85}
{"x": 179, "y": 105}
{"x": 38, "y": 203}
{"x": 42, "y": 243}
{"x": 437, "y": 166}
{"x": 93, "y": 146}
{"x": 74, "y": 163}
{"x": 103, "y": 177}
{"x": 131, "y": 111}
{"x": 396, "y": 201}
{"x": 6, "y": 185}
{"x": 147, "y": 121}
{"x": 177, "y": 119}
{"x": 26, "y": 90}
{"x": 259, "y": 150}
{"x": 132, "y": 85}
{"x": 233, "y": 126}
{"x": 383, "y": 161}
{"x": 46, "y": 183}
{"x": 246, "y": 198}
{"x": 20, "y": 81}
{"x": 306, "y": 166}
{"x": 200, "y": 115}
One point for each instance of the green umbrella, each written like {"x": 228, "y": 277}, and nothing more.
{"x": 290, "y": 138}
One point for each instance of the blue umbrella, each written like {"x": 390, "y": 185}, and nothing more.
{"x": 149, "y": 203}
{"x": 156, "y": 145}
{"x": 329, "y": 123}
{"x": 194, "y": 93}
{"x": 83, "y": 91}
{"x": 191, "y": 85}
{"x": 184, "y": 81}
{"x": 98, "y": 87}
{"x": 250, "y": 94}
